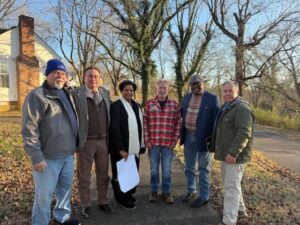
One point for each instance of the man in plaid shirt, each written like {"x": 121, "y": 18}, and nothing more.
{"x": 162, "y": 129}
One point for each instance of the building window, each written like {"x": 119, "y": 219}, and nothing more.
{"x": 4, "y": 79}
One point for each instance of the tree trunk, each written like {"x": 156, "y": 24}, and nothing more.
{"x": 239, "y": 67}
{"x": 145, "y": 81}
{"x": 179, "y": 78}
{"x": 115, "y": 89}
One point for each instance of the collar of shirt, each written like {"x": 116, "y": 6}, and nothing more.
{"x": 89, "y": 92}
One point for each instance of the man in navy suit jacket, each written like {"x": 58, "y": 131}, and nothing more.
{"x": 199, "y": 111}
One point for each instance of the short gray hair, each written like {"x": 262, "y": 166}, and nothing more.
{"x": 233, "y": 82}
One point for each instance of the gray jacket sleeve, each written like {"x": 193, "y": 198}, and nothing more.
{"x": 33, "y": 111}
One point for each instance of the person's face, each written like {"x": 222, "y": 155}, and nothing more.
{"x": 197, "y": 88}
{"x": 230, "y": 92}
{"x": 162, "y": 90}
{"x": 128, "y": 92}
{"x": 56, "y": 79}
{"x": 92, "y": 79}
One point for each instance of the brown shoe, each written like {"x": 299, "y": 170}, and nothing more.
{"x": 168, "y": 198}
{"x": 153, "y": 196}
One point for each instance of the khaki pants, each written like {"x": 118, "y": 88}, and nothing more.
{"x": 94, "y": 150}
{"x": 232, "y": 175}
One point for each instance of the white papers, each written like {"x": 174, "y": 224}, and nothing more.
{"x": 128, "y": 175}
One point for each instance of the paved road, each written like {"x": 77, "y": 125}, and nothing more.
{"x": 158, "y": 213}
{"x": 281, "y": 146}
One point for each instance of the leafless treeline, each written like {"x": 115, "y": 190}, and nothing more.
{"x": 253, "y": 41}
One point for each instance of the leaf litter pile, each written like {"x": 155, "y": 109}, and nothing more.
{"x": 16, "y": 182}
{"x": 271, "y": 193}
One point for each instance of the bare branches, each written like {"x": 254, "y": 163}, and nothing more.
{"x": 243, "y": 11}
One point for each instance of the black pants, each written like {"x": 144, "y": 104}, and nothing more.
{"x": 121, "y": 197}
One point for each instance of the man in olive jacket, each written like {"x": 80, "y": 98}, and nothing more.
{"x": 233, "y": 135}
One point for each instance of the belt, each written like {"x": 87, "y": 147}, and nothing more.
{"x": 96, "y": 137}
{"x": 191, "y": 131}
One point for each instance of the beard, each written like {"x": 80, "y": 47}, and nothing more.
{"x": 58, "y": 85}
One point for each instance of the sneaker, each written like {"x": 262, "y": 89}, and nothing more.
{"x": 105, "y": 208}
{"x": 153, "y": 196}
{"x": 188, "y": 197}
{"x": 69, "y": 222}
{"x": 86, "y": 212}
{"x": 242, "y": 214}
{"x": 168, "y": 198}
{"x": 128, "y": 206}
{"x": 198, "y": 203}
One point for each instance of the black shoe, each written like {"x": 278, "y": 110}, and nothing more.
{"x": 188, "y": 197}
{"x": 128, "y": 206}
{"x": 106, "y": 208}
{"x": 132, "y": 200}
{"x": 198, "y": 203}
{"x": 69, "y": 222}
{"x": 86, "y": 212}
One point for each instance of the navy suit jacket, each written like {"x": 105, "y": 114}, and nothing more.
{"x": 208, "y": 111}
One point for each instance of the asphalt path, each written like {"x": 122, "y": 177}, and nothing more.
{"x": 158, "y": 213}
{"x": 279, "y": 145}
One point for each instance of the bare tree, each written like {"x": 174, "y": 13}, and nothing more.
{"x": 291, "y": 90}
{"x": 235, "y": 27}
{"x": 10, "y": 7}
{"x": 180, "y": 35}
{"x": 77, "y": 47}
{"x": 141, "y": 24}
{"x": 114, "y": 69}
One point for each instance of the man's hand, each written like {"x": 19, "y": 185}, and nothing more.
{"x": 124, "y": 154}
{"x": 230, "y": 159}
{"x": 40, "y": 167}
{"x": 149, "y": 145}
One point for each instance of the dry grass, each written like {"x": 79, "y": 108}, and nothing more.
{"x": 271, "y": 193}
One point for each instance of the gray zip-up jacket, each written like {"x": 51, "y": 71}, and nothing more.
{"x": 46, "y": 126}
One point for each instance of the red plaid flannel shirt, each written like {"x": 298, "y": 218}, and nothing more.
{"x": 161, "y": 128}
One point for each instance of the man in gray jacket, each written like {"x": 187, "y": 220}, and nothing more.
{"x": 232, "y": 142}
{"x": 49, "y": 129}
{"x": 92, "y": 103}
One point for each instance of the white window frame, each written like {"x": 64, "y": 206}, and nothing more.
{"x": 4, "y": 73}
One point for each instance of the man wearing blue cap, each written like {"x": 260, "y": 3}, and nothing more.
{"x": 50, "y": 130}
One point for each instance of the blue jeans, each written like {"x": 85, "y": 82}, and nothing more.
{"x": 165, "y": 155}
{"x": 191, "y": 154}
{"x": 56, "y": 178}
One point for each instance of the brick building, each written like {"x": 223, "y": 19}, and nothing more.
{"x": 23, "y": 58}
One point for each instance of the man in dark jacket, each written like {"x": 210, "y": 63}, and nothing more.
{"x": 199, "y": 111}
{"x": 93, "y": 104}
{"x": 49, "y": 130}
{"x": 232, "y": 141}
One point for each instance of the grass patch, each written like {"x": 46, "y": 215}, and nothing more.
{"x": 270, "y": 118}
{"x": 271, "y": 193}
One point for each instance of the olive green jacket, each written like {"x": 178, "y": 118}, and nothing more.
{"x": 233, "y": 131}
